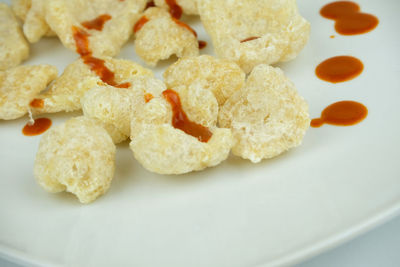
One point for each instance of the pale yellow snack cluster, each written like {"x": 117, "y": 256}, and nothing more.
{"x": 162, "y": 36}
{"x": 280, "y": 30}
{"x": 114, "y": 106}
{"x": 62, "y": 15}
{"x": 78, "y": 157}
{"x": 66, "y": 92}
{"x": 163, "y": 149}
{"x": 189, "y": 7}
{"x": 13, "y": 46}
{"x": 220, "y": 76}
{"x": 267, "y": 116}
{"x": 20, "y": 85}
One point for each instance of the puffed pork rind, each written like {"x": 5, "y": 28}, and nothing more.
{"x": 162, "y": 37}
{"x": 189, "y": 7}
{"x": 114, "y": 106}
{"x": 283, "y": 32}
{"x": 78, "y": 157}
{"x": 163, "y": 149}
{"x": 13, "y": 46}
{"x": 20, "y": 85}
{"x": 267, "y": 117}
{"x": 221, "y": 76}
{"x": 62, "y": 15}
{"x": 32, "y": 13}
{"x": 66, "y": 92}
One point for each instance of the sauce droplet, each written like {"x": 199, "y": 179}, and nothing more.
{"x": 202, "y": 44}
{"x": 342, "y": 113}
{"x": 339, "y": 69}
{"x": 249, "y": 39}
{"x": 97, "y": 23}
{"x": 38, "y": 127}
{"x": 81, "y": 38}
{"x": 140, "y": 23}
{"x": 106, "y": 75}
{"x": 181, "y": 121}
{"x": 174, "y": 9}
{"x": 184, "y": 25}
{"x": 348, "y": 18}
{"x": 332, "y": 36}
{"x": 150, "y": 4}
{"x": 148, "y": 97}
{"x": 37, "y": 103}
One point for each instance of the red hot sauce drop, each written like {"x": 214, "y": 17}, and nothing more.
{"x": 348, "y": 18}
{"x": 339, "y": 69}
{"x": 342, "y": 113}
{"x": 38, "y": 127}
{"x": 181, "y": 121}
{"x": 97, "y": 23}
{"x": 37, "y": 103}
{"x": 202, "y": 44}
{"x": 174, "y": 9}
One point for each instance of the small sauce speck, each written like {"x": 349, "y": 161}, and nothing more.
{"x": 184, "y": 25}
{"x": 37, "y": 103}
{"x": 174, "y": 9}
{"x": 38, "y": 127}
{"x": 150, "y": 4}
{"x": 148, "y": 97}
{"x": 342, "y": 113}
{"x": 97, "y": 23}
{"x": 332, "y": 36}
{"x": 202, "y": 44}
{"x": 81, "y": 38}
{"x": 339, "y": 69}
{"x": 140, "y": 23}
{"x": 348, "y": 18}
{"x": 181, "y": 121}
{"x": 249, "y": 39}
{"x": 106, "y": 75}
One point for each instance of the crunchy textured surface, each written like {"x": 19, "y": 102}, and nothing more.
{"x": 283, "y": 32}
{"x": 189, "y": 7}
{"x": 78, "y": 157}
{"x": 114, "y": 106}
{"x": 61, "y": 15}
{"x": 66, "y": 92}
{"x": 267, "y": 116}
{"x": 163, "y": 149}
{"x": 161, "y": 37}
{"x": 20, "y": 85}
{"x": 21, "y": 8}
{"x": 221, "y": 76}
{"x": 13, "y": 46}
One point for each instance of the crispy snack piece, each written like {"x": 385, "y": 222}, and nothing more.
{"x": 63, "y": 15}
{"x": 162, "y": 36}
{"x": 78, "y": 157}
{"x": 114, "y": 106}
{"x": 189, "y": 7}
{"x": 253, "y": 32}
{"x": 267, "y": 116}
{"x": 163, "y": 149}
{"x": 13, "y": 47}
{"x": 222, "y": 77}
{"x": 66, "y": 92}
{"x": 20, "y": 85}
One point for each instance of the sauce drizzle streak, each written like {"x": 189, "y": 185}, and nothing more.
{"x": 81, "y": 38}
{"x": 339, "y": 69}
{"x": 174, "y": 9}
{"x": 342, "y": 113}
{"x": 184, "y": 25}
{"x": 348, "y": 18}
{"x": 140, "y": 23}
{"x": 181, "y": 121}
{"x": 250, "y": 39}
{"x": 150, "y": 4}
{"x": 38, "y": 127}
{"x": 97, "y": 23}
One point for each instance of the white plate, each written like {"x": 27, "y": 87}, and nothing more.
{"x": 340, "y": 182}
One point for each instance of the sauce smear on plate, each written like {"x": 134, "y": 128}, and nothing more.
{"x": 339, "y": 69}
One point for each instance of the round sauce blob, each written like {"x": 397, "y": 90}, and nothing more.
{"x": 97, "y": 23}
{"x": 38, "y": 127}
{"x": 342, "y": 113}
{"x": 339, "y": 69}
{"x": 181, "y": 121}
{"x": 37, "y": 103}
{"x": 348, "y": 18}
{"x": 202, "y": 44}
